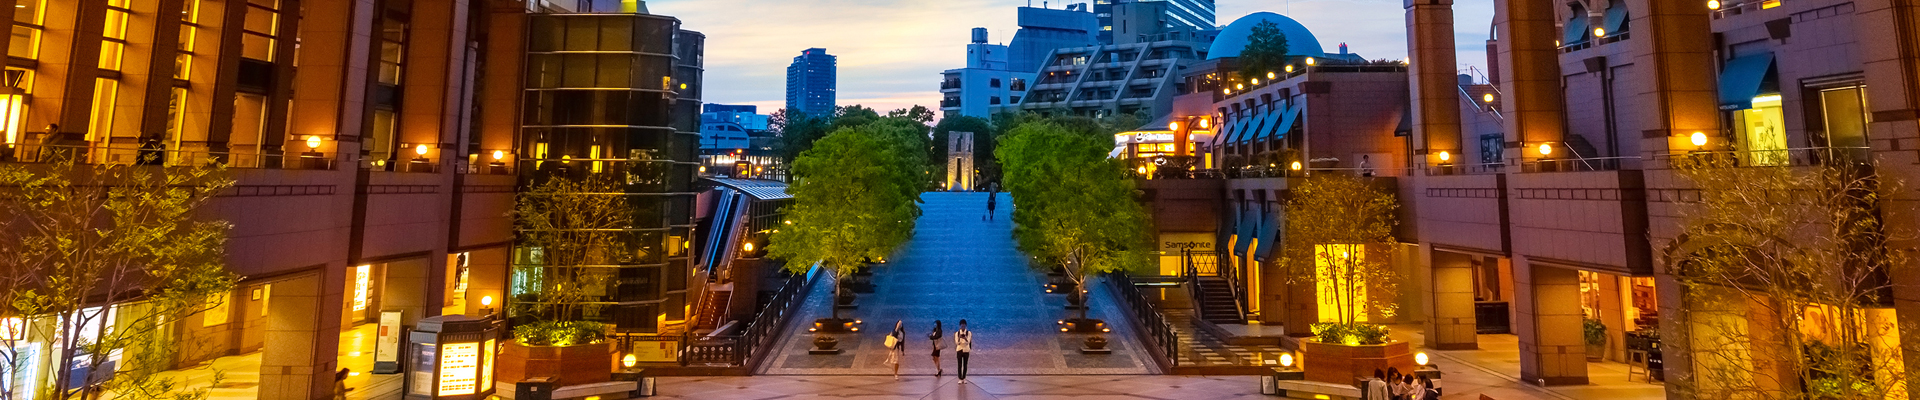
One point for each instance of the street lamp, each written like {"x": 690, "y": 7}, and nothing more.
{"x": 313, "y": 142}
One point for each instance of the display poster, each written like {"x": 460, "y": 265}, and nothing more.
{"x": 656, "y": 351}
{"x": 362, "y": 285}
{"x": 386, "y": 347}
{"x": 459, "y": 368}
{"x": 486, "y": 366}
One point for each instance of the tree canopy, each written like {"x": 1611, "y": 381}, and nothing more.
{"x": 1266, "y": 51}
{"x": 1073, "y": 207}
{"x": 855, "y": 197}
{"x": 1339, "y": 229}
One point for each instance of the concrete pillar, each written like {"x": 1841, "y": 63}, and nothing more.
{"x": 1553, "y": 350}
{"x": 487, "y": 277}
{"x": 436, "y": 70}
{"x": 1675, "y": 74}
{"x": 408, "y": 287}
{"x": 1303, "y": 309}
{"x": 1435, "y": 83}
{"x": 499, "y": 98}
{"x": 1892, "y": 67}
{"x": 1613, "y": 313}
{"x": 1450, "y": 312}
{"x": 329, "y": 98}
{"x": 1534, "y": 110}
{"x": 301, "y": 362}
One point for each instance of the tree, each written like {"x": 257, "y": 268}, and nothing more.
{"x": 1073, "y": 207}
{"x": 574, "y": 232}
{"x": 918, "y": 114}
{"x": 1339, "y": 233}
{"x": 1785, "y": 282}
{"x": 852, "y": 202}
{"x": 982, "y": 142}
{"x": 798, "y": 132}
{"x": 99, "y": 260}
{"x": 1266, "y": 51}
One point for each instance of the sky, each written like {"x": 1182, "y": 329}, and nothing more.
{"x": 891, "y": 52}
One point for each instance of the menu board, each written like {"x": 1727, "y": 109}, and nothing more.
{"x": 459, "y": 368}
{"x": 486, "y": 366}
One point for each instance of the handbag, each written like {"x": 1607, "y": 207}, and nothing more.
{"x": 892, "y": 341}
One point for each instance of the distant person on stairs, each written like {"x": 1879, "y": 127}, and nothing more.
{"x": 934, "y": 338}
{"x": 962, "y": 347}
{"x": 992, "y": 197}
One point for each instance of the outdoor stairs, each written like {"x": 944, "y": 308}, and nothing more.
{"x": 713, "y": 309}
{"x": 1216, "y": 303}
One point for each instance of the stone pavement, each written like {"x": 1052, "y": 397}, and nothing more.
{"x": 959, "y": 266}
{"x": 983, "y": 388}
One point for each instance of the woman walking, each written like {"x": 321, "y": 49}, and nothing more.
{"x": 897, "y": 347}
{"x": 934, "y": 338}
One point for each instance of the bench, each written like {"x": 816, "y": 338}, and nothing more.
{"x": 605, "y": 390}
{"x": 1307, "y": 390}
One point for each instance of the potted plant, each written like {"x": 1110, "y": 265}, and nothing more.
{"x": 571, "y": 352}
{"x": 825, "y": 343}
{"x": 1337, "y": 241}
{"x": 1075, "y": 210}
{"x": 1596, "y": 334}
{"x": 1096, "y": 342}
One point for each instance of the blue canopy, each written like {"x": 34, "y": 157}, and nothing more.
{"x": 1256, "y": 128}
{"x": 1576, "y": 30}
{"x": 1286, "y": 122}
{"x": 1616, "y": 18}
{"x": 1742, "y": 80}
{"x": 1245, "y": 228}
{"x": 1268, "y": 121}
{"x": 1240, "y": 133}
{"x": 1269, "y": 232}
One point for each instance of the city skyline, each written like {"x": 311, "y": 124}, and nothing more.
{"x": 747, "y": 61}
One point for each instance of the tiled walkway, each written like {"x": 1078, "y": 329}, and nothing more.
{"x": 959, "y": 266}
{"x": 1494, "y": 371}
{"x": 983, "y": 388}
{"x": 1199, "y": 347}
{"x": 240, "y": 375}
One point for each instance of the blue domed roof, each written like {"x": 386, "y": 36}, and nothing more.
{"x": 1233, "y": 38}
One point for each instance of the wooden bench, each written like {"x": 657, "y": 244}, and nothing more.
{"x": 606, "y": 390}
{"x": 1307, "y": 390}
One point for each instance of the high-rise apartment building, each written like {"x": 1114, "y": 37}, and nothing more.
{"x": 1042, "y": 30}
{"x": 987, "y": 81}
{"x": 1196, "y": 14}
{"x": 810, "y": 83}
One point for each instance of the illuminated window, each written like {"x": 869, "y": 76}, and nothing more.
{"x": 1763, "y": 131}
{"x": 249, "y": 129}
{"x": 28, "y": 20}
{"x": 393, "y": 40}
{"x": 1845, "y": 113}
{"x": 13, "y": 106}
{"x": 113, "y": 36}
{"x": 1340, "y": 285}
{"x": 379, "y": 142}
{"x": 100, "y": 126}
{"x": 219, "y": 310}
{"x": 189, "y": 32}
{"x": 262, "y": 25}
{"x": 176, "y": 115}
{"x": 362, "y": 285}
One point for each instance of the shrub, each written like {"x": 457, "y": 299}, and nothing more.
{"x": 1596, "y": 332}
{"x": 1350, "y": 334}
{"x": 550, "y": 333}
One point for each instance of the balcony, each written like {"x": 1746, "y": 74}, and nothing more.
{"x": 949, "y": 85}
{"x": 156, "y": 155}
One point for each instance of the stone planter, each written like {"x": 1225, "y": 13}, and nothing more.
{"x": 1596, "y": 351}
{"x": 825, "y": 342}
{"x": 1340, "y": 363}
{"x": 1097, "y": 342}
{"x": 567, "y": 365}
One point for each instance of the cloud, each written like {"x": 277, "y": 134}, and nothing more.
{"x": 891, "y": 52}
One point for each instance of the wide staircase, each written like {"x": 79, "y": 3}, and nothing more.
{"x": 1215, "y": 300}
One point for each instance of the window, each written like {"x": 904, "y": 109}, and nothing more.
{"x": 1846, "y": 116}
{"x": 176, "y": 115}
{"x": 28, "y": 19}
{"x": 993, "y": 83}
{"x": 393, "y": 38}
{"x": 100, "y": 124}
{"x": 379, "y": 142}
{"x": 1340, "y": 288}
{"x": 219, "y": 308}
{"x": 1762, "y": 132}
{"x": 995, "y": 100}
{"x": 113, "y": 36}
{"x": 262, "y": 24}
{"x": 249, "y": 130}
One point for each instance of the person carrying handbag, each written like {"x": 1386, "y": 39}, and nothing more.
{"x": 897, "y": 347}
{"x": 934, "y": 339}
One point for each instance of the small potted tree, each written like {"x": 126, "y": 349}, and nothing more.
{"x": 566, "y": 227}
{"x": 1596, "y": 335}
{"x": 1339, "y": 232}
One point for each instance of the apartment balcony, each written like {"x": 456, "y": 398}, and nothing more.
{"x": 949, "y": 85}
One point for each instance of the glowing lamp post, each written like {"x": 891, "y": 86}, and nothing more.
{"x": 1284, "y": 377}
{"x": 451, "y": 357}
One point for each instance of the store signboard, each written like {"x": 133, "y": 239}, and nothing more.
{"x": 487, "y": 352}
{"x": 386, "y": 347}
{"x": 656, "y": 351}
{"x": 459, "y": 369}
{"x": 1171, "y": 243}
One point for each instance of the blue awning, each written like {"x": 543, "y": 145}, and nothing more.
{"x": 1269, "y": 232}
{"x": 1227, "y": 133}
{"x": 1257, "y": 128}
{"x": 1576, "y": 30}
{"x": 1267, "y": 124}
{"x": 1741, "y": 81}
{"x": 1616, "y": 18}
{"x": 1240, "y": 130}
{"x": 1246, "y": 228}
{"x": 1287, "y": 120}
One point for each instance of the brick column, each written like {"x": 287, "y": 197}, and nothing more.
{"x": 304, "y": 336}
{"x": 1435, "y": 82}
{"x": 1890, "y": 49}
{"x": 1535, "y": 110}
{"x": 1675, "y": 75}
{"x": 1553, "y": 349}
{"x": 1450, "y": 306}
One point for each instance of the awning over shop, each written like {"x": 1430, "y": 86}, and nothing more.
{"x": 1267, "y": 123}
{"x": 1576, "y": 29}
{"x": 1258, "y": 128}
{"x": 1240, "y": 133}
{"x": 1287, "y": 120}
{"x": 1741, "y": 81}
{"x": 1249, "y": 220}
{"x": 1269, "y": 233}
{"x": 761, "y": 190}
{"x": 1616, "y": 20}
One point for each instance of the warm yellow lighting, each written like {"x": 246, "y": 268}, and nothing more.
{"x": 1599, "y": 32}
{"x": 1270, "y": 75}
{"x": 499, "y": 155}
{"x": 1173, "y": 126}
{"x": 486, "y": 301}
{"x": 1289, "y": 68}
{"x": 421, "y": 149}
{"x": 1420, "y": 358}
{"x": 703, "y": 169}
{"x": 1204, "y": 124}
{"x": 1312, "y": 62}
{"x": 1445, "y": 156}
{"x": 1546, "y": 149}
{"x": 1256, "y": 81}
{"x": 1488, "y": 97}
{"x": 749, "y": 247}
{"x": 1713, "y": 4}
{"x": 1286, "y": 360}
{"x": 1226, "y": 91}
{"x": 592, "y": 398}
{"x": 1142, "y": 169}
{"x": 1321, "y": 397}
{"x": 1699, "y": 139}
{"x": 313, "y": 142}
{"x": 630, "y": 360}
{"x": 1767, "y": 98}
{"x": 789, "y": 222}
{"x": 1295, "y": 166}
{"x": 1238, "y": 86}
{"x": 566, "y": 159}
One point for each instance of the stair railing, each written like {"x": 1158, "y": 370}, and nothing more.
{"x": 1231, "y": 272}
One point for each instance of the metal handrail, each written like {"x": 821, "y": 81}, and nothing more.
{"x": 742, "y": 348}
{"x": 1221, "y": 269}
{"x": 141, "y": 155}
{"x": 1158, "y": 329}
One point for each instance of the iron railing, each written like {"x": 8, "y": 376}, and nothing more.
{"x": 740, "y": 349}
{"x": 1197, "y": 264}
{"x": 1154, "y": 324}
{"x": 159, "y": 155}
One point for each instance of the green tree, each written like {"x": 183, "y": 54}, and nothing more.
{"x": 572, "y": 233}
{"x": 1339, "y": 236}
{"x": 917, "y": 113}
{"x": 1073, "y": 207}
{"x": 102, "y": 259}
{"x": 798, "y": 131}
{"x": 851, "y": 202}
{"x": 1266, "y": 51}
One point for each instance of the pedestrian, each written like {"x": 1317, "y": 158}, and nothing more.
{"x": 1408, "y": 389}
{"x": 934, "y": 338}
{"x": 992, "y": 198}
{"x": 1376, "y": 387}
{"x": 340, "y": 383}
{"x": 1416, "y": 390}
{"x": 897, "y": 347}
{"x": 1429, "y": 391}
{"x": 1394, "y": 388}
{"x": 1366, "y": 166}
{"x": 962, "y": 347}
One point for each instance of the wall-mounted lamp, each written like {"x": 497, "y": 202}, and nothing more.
{"x": 1699, "y": 139}
{"x": 1546, "y": 149}
{"x": 420, "y": 149}
{"x": 1173, "y": 126}
{"x": 1204, "y": 124}
{"x": 1713, "y": 4}
{"x": 1488, "y": 97}
{"x": 499, "y": 155}
{"x": 313, "y": 142}
{"x": 1599, "y": 32}
{"x": 1445, "y": 156}
{"x": 1296, "y": 166}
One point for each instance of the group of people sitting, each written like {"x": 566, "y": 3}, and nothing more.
{"x": 1391, "y": 385}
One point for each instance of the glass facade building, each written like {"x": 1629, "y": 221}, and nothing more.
{"x": 1197, "y": 14}
{"x": 810, "y": 82}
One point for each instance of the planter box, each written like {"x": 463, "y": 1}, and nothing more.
{"x": 1339, "y": 363}
{"x": 568, "y": 365}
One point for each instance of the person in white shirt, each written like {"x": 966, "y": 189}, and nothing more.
{"x": 962, "y": 347}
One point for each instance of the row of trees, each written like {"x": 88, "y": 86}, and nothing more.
{"x": 1075, "y": 209}
{"x": 856, "y": 192}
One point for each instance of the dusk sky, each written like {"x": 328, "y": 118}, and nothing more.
{"x": 891, "y": 52}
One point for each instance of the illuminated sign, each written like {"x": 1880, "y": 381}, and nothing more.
{"x": 362, "y": 276}
{"x": 486, "y": 366}
{"x": 459, "y": 368}
{"x": 1174, "y": 242}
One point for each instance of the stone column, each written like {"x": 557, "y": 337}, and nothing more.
{"x": 487, "y": 271}
{"x": 1675, "y": 74}
{"x": 305, "y": 337}
{"x": 1535, "y": 111}
{"x": 1892, "y": 65}
{"x": 1553, "y": 350}
{"x": 1433, "y": 70}
{"x": 1450, "y": 312}
{"x": 409, "y": 287}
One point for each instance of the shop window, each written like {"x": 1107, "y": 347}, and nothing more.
{"x": 1845, "y": 112}
{"x": 1340, "y": 286}
{"x": 100, "y": 125}
{"x": 362, "y": 286}
{"x": 28, "y": 20}
{"x": 219, "y": 310}
{"x": 1763, "y": 132}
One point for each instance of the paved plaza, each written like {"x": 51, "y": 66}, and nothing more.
{"x": 960, "y": 266}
